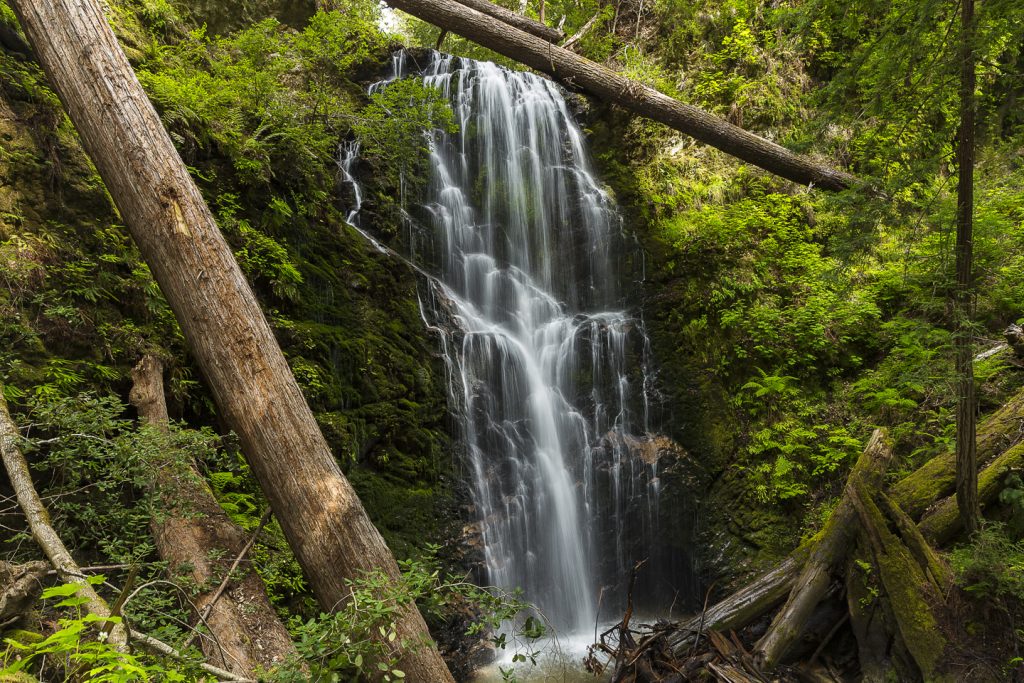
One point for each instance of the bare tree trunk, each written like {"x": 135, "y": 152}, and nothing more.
{"x": 20, "y": 585}
{"x": 829, "y": 552}
{"x": 190, "y": 533}
{"x": 966, "y": 408}
{"x": 323, "y": 520}
{"x": 581, "y": 73}
{"x": 39, "y": 524}
{"x": 519, "y": 21}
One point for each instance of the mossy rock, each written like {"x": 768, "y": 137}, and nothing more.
{"x": 23, "y": 637}
{"x": 17, "y": 677}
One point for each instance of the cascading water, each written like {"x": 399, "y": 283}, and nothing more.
{"x": 549, "y": 368}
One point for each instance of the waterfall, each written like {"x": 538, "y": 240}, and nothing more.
{"x": 548, "y": 366}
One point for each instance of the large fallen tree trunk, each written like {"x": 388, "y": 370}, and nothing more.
{"x": 197, "y": 540}
{"x": 252, "y": 385}
{"x": 941, "y": 523}
{"x": 42, "y": 531}
{"x": 519, "y": 21}
{"x": 828, "y": 552}
{"x": 580, "y": 73}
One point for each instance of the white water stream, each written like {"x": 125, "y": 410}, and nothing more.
{"x": 547, "y": 365}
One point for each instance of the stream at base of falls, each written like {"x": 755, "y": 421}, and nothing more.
{"x": 527, "y": 267}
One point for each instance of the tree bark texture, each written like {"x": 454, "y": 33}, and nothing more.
{"x": 936, "y": 479}
{"x": 580, "y": 73}
{"x": 190, "y": 532}
{"x": 743, "y": 606}
{"x": 519, "y": 21}
{"x": 39, "y": 524}
{"x": 942, "y": 522}
{"x": 829, "y": 551}
{"x": 908, "y": 593}
{"x": 20, "y": 585}
{"x": 253, "y": 387}
{"x": 966, "y": 407}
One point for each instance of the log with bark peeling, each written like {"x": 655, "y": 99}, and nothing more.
{"x": 226, "y": 330}
{"x": 191, "y": 533}
{"x": 580, "y": 73}
{"x": 39, "y": 524}
{"x": 828, "y": 552}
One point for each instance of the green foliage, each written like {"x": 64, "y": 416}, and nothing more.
{"x": 360, "y": 641}
{"x": 991, "y": 567}
{"x": 77, "y": 650}
{"x": 393, "y": 128}
{"x": 788, "y": 323}
{"x": 1012, "y": 496}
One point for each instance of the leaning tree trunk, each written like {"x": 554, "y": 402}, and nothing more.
{"x": 191, "y": 532}
{"x": 966, "y": 407}
{"x": 323, "y": 520}
{"x": 581, "y": 73}
{"x": 42, "y": 530}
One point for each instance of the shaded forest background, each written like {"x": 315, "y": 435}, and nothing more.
{"x": 787, "y": 323}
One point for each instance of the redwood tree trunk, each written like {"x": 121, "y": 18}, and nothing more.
{"x": 581, "y": 73}
{"x": 324, "y": 522}
{"x": 195, "y": 537}
{"x": 966, "y": 408}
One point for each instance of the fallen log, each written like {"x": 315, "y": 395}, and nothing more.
{"x": 580, "y": 73}
{"x": 937, "y": 477}
{"x": 744, "y": 606}
{"x": 828, "y": 551}
{"x": 42, "y": 531}
{"x": 941, "y": 523}
{"x": 931, "y": 565}
{"x": 191, "y": 533}
{"x": 519, "y": 21}
{"x": 908, "y": 593}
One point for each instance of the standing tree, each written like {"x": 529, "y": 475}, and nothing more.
{"x": 966, "y": 411}
{"x": 323, "y": 520}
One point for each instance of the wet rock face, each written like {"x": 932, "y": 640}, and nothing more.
{"x": 1015, "y": 338}
{"x": 655, "y": 522}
